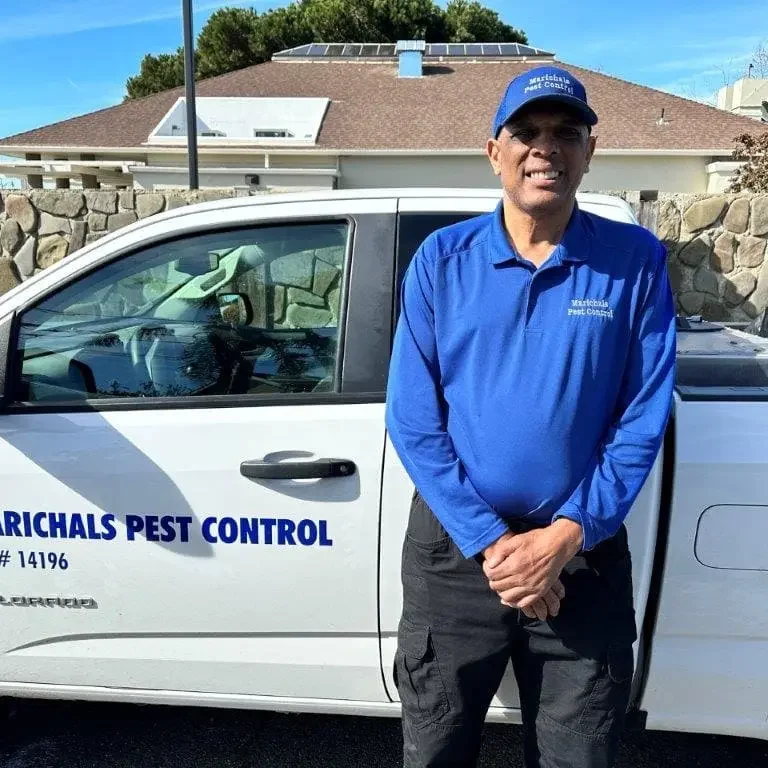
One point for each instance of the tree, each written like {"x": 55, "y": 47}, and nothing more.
{"x": 227, "y": 42}
{"x": 157, "y": 73}
{"x": 234, "y": 38}
{"x": 469, "y": 22}
{"x": 753, "y": 175}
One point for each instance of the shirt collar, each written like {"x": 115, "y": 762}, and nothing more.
{"x": 573, "y": 247}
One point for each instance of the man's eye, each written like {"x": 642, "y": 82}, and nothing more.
{"x": 570, "y": 134}
{"x": 524, "y": 134}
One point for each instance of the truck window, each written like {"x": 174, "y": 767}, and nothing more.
{"x": 413, "y": 228}
{"x": 247, "y": 312}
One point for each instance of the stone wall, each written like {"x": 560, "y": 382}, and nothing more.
{"x": 40, "y": 227}
{"x": 716, "y": 252}
{"x": 716, "y": 244}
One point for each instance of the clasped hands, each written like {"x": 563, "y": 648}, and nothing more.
{"x": 524, "y": 569}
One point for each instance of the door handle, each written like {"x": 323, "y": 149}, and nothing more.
{"x": 298, "y": 470}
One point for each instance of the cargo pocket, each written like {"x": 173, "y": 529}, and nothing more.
{"x": 621, "y": 663}
{"x": 417, "y": 675}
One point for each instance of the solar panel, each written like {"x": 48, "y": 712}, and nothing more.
{"x": 381, "y": 50}
{"x": 302, "y": 50}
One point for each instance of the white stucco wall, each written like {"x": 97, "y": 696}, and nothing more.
{"x": 412, "y": 171}
{"x": 665, "y": 174}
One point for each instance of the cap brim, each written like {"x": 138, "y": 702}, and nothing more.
{"x": 577, "y": 105}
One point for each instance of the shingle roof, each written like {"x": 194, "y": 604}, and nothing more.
{"x": 450, "y": 108}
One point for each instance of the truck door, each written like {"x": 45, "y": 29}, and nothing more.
{"x": 191, "y": 459}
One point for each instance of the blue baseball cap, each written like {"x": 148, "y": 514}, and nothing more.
{"x": 539, "y": 84}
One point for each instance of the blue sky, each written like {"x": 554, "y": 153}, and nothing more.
{"x": 68, "y": 57}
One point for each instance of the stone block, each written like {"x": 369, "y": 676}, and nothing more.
{"x": 299, "y": 316}
{"x": 703, "y": 213}
{"x": 737, "y": 218}
{"x": 127, "y": 200}
{"x": 714, "y": 310}
{"x": 705, "y": 281}
{"x": 696, "y": 251}
{"x": 751, "y": 251}
{"x": 9, "y": 277}
{"x": 333, "y": 303}
{"x": 118, "y": 220}
{"x": 25, "y": 258}
{"x": 97, "y": 222}
{"x": 175, "y": 202}
{"x": 50, "y": 250}
{"x": 759, "y": 222}
{"x": 333, "y": 255}
{"x": 279, "y": 304}
{"x": 691, "y": 302}
{"x": 149, "y": 204}
{"x": 101, "y": 201}
{"x": 738, "y": 288}
{"x": 18, "y": 207}
{"x": 325, "y": 277}
{"x": 11, "y": 236}
{"x": 93, "y": 237}
{"x": 722, "y": 258}
{"x": 296, "y": 269}
{"x": 675, "y": 273}
{"x": 668, "y": 224}
{"x": 77, "y": 241}
{"x": 53, "y": 225}
{"x": 300, "y": 296}
{"x": 758, "y": 301}
{"x": 63, "y": 202}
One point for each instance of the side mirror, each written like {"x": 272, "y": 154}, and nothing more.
{"x": 196, "y": 264}
{"x": 235, "y": 309}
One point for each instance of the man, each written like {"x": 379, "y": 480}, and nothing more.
{"x": 530, "y": 386}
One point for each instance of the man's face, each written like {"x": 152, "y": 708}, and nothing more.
{"x": 541, "y": 156}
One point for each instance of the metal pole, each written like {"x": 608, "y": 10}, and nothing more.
{"x": 189, "y": 80}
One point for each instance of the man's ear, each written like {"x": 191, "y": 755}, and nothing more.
{"x": 492, "y": 150}
{"x": 591, "y": 143}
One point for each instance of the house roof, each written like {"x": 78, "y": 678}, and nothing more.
{"x": 450, "y": 108}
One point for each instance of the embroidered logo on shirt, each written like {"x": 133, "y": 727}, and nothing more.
{"x": 591, "y": 308}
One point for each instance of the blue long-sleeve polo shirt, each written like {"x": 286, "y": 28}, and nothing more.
{"x": 517, "y": 392}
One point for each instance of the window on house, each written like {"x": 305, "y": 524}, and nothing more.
{"x": 278, "y": 133}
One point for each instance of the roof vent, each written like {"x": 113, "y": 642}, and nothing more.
{"x": 410, "y": 55}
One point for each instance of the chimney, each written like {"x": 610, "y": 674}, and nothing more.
{"x": 410, "y": 56}
{"x": 745, "y": 97}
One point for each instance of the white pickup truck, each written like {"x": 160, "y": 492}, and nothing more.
{"x": 200, "y": 504}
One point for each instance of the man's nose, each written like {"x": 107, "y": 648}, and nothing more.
{"x": 545, "y": 144}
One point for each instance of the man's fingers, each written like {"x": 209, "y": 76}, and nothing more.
{"x": 558, "y": 589}
{"x": 553, "y": 603}
{"x": 529, "y": 612}
{"x": 540, "y": 609}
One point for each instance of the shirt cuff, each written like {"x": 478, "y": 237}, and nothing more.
{"x": 494, "y": 533}
{"x": 571, "y": 511}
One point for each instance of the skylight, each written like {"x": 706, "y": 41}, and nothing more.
{"x": 239, "y": 120}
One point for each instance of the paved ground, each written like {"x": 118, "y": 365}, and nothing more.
{"x": 64, "y": 735}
